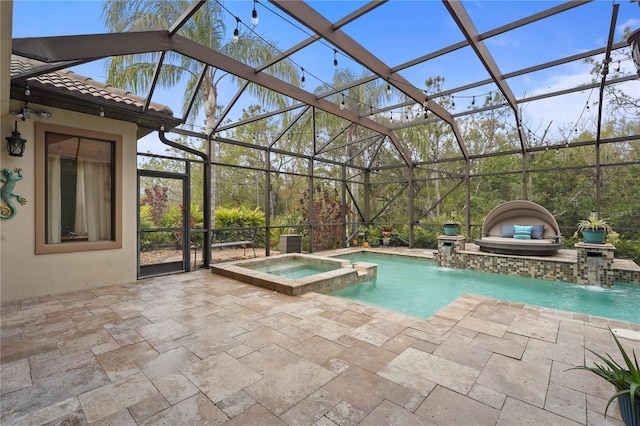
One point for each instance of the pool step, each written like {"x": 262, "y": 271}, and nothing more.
{"x": 365, "y": 269}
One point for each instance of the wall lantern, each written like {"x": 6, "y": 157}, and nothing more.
{"x": 15, "y": 144}
{"x": 634, "y": 42}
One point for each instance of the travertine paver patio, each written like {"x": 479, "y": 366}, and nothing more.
{"x": 200, "y": 349}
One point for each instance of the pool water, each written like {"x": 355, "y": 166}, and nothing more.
{"x": 420, "y": 288}
{"x": 293, "y": 268}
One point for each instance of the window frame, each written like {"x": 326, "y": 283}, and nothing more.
{"x": 41, "y": 246}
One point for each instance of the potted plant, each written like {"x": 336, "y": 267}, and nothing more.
{"x": 594, "y": 230}
{"x": 625, "y": 378}
{"x": 387, "y": 231}
{"x": 373, "y": 235}
{"x": 451, "y": 225}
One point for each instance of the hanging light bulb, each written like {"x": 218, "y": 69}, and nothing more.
{"x": 302, "y": 79}
{"x": 335, "y": 58}
{"x": 426, "y": 103}
{"x": 426, "y": 114}
{"x": 101, "y": 112}
{"x": 390, "y": 115}
{"x": 342, "y": 105}
{"x": 473, "y": 101}
{"x": 254, "y": 14}
{"x": 453, "y": 102}
{"x": 388, "y": 89}
{"x": 27, "y": 91}
{"x": 236, "y": 32}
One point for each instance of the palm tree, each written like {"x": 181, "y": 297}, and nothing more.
{"x": 360, "y": 98}
{"x": 206, "y": 26}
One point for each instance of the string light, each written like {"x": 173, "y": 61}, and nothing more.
{"x": 618, "y": 67}
{"x": 27, "y": 91}
{"x": 453, "y": 102}
{"x": 473, "y": 101}
{"x": 388, "y": 89}
{"x": 342, "y": 106}
{"x": 236, "y": 32}
{"x": 254, "y": 14}
{"x": 425, "y": 104}
{"x": 101, "y": 112}
{"x": 335, "y": 58}
{"x": 302, "y": 79}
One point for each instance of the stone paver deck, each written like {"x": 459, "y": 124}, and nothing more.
{"x": 200, "y": 349}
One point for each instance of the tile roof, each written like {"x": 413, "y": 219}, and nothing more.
{"x": 70, "y": 83}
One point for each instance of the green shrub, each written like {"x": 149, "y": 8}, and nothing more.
{"x": 284, "y": 220}
{"x": 242, "y": 217}
{"x": 628, "y": 249}
{"x": 239, "y": 217}
{"x": 425, "y": 238}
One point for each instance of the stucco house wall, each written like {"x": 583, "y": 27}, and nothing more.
{"x": 23, "y": 273}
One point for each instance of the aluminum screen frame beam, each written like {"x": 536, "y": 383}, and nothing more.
{"x": 310, "y": 18}
{"x": 96, "y": 46}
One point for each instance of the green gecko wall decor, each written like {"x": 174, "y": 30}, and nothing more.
{"x": 6, "y": 192}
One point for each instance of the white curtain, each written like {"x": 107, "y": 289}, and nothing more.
{"x": 80, "y": 222}
{"x": 93, "y": 200}
{"x": 54, "y": 204}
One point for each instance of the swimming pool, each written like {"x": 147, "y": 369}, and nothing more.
{"x": 419, "y": 288}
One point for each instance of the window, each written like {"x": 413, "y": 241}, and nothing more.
{"x": 78, "y": 190}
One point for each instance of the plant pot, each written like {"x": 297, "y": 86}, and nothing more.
{"x": 386, "y": 234}
{"x": 624, "y": 403}
{"x": 386, "y": 241}
{"x": 451, "y": 230}
{"x": 592, "y": 236}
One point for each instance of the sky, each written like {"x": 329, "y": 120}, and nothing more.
{"x": 396, "y": 32}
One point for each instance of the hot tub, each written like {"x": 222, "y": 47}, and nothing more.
{"x": 296, "y": 273}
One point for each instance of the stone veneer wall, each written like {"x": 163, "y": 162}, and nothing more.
{"x": 451, "y": 254}
{"x": 627, "y": 276}
{"x": 520, "y": 266}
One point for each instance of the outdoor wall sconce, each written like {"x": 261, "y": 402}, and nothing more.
{"x": 15, "y": 144}
{"x": 634, "y": 43}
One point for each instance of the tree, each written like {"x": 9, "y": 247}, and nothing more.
{"x": 135, "y": 72}
{"x": 326, "y": 212}
{"x": 360, "y": 98}
{"x": 157, "y": 199}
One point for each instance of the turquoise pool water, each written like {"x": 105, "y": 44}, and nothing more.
{"x": 420, "y": 288}
{"x": 292, "y": 268}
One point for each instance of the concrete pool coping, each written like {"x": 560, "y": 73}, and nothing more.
{"x": 346, "y": 274}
